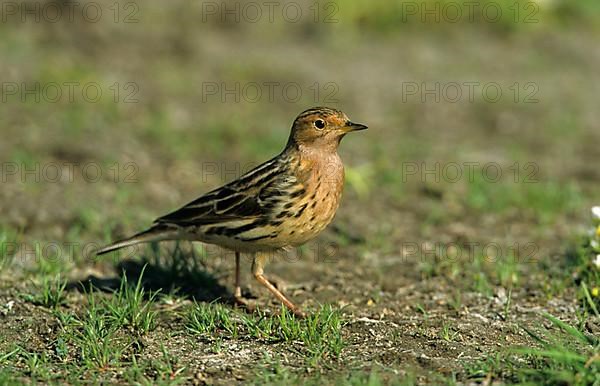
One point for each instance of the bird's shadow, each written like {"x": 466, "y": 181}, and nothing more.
{"x": 180, "y": 273}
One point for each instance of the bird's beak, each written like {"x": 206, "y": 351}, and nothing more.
{"x": 351, "y": 126}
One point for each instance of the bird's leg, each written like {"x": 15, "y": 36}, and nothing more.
{"x": 237, "y": 294}
{"x": 258, "y": 264}
{"x": 239, "y": 300}
{"x": 238, "y": 289}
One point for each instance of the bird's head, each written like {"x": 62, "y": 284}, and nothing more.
{"x": 321, "y": 127}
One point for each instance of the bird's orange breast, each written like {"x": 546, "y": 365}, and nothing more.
{"x": 324, "y": 183}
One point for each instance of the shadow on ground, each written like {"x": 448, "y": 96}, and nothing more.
{"x": 180, "y": 273}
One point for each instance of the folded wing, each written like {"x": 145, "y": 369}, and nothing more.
{"x": 255, "y": 195}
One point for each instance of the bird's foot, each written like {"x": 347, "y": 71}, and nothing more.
{"x": 241, "y": 301}
{"x": 299, "y": 313}
{"x": 250, "y": 306}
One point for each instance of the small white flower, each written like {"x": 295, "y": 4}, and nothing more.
{"x": 597, "y": 261}
{"x": 596, "y": 212}
{"x": 594, "y": 244}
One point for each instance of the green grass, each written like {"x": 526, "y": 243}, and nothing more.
{"x": 131, "y": 306}
{"x": 100, "y": 336}
{"x": 50, "y": 293}
{"x": 8, "y": 378}
{"x": 567, "y": 357}
{"x": 319, "y": 334}
{"x": 9, "y": 243}
{"x": 564, "y": 357}
{"x": 580, "y": 271}
{"x": 96, "y": 337}
{"x": 491, "y": 367}
{"x": 165, "y": 371}
{"x": 107, "y": 334}
{"x": 447, "y": 332}
{"x": 541, "y": 200}
{"x": 206, "y": 318}
{"x": 585, "y": 270}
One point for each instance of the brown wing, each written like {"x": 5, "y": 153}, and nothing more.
{"x": 252, "y": 196}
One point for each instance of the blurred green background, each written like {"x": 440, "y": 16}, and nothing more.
{"x": 193, "y": 93}
{"x": 157, "y": 65}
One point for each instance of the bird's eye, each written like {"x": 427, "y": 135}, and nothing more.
{"x": 319, "y": 124}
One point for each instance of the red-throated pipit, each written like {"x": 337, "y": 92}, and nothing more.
{"x": 282, "y": 203}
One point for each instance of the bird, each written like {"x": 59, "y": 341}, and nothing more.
{"x": 282, "y": 203}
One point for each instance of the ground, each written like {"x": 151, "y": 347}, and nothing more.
{"x": 463, "y": 250}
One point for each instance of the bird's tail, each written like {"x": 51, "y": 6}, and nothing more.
{"x": 156, "y": 233}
